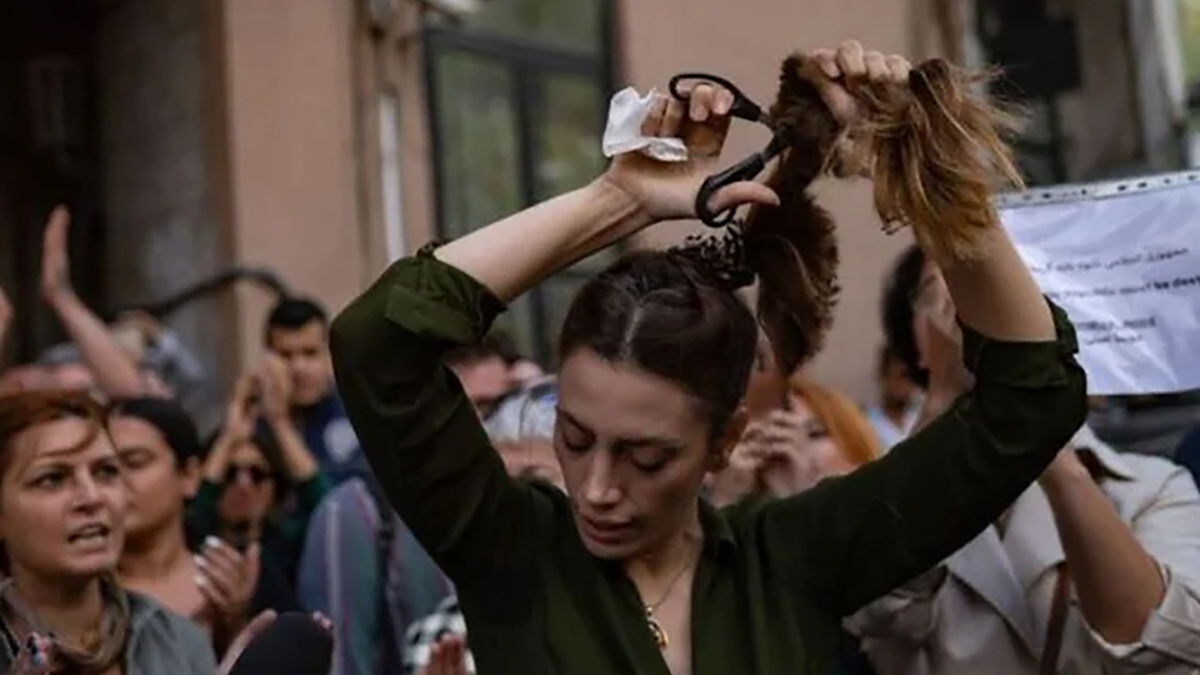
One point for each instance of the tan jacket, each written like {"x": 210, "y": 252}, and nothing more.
{"x": 986, "y": 608}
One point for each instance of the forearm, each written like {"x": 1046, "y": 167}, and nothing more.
{"x": 996, "y": 295}
{"x": 116, "y": 373}
{"x": 300, "y": 463}
{"x": 513, "y": 255}
{"x": 1118, "y": 583}
{"x": 217, "y": 461}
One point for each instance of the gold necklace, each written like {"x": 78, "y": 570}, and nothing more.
{"x": 656, "y": 630}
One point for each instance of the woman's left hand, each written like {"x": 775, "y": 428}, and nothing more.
{"x": 788, "y": 466}
{"x": 667, "y": 190}
{"x": 228, "y": 578}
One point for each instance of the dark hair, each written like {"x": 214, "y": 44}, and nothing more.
{"x": 24, "y": 410}
{"x": 658, "y": 311}
{"x": 491, "y": 346}
{"x": 169, "y": 419}
{"x": 898, "y": 293}
{"x": 294, "y": 313}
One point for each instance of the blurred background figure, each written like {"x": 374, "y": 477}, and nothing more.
{"x": 899, "y": 401}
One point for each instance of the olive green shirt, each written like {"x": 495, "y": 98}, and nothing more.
{"x": 774, "y": 578}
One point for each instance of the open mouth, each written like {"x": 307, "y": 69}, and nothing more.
{"x": 95, "y": 533}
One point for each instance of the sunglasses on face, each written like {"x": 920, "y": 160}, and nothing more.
{"x": 257, "y": 474}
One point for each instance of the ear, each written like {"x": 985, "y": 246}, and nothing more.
{"x": 190, "y": 474}
{"x": 730, "y": 436}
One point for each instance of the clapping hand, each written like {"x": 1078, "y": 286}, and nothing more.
{"x": 447, "y": 656}
{"x": 227, "y": 578}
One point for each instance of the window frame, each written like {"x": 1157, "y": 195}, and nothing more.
{"x": 527, "y": 60}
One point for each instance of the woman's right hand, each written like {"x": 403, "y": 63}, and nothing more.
{"x": 240, "y": 413}
{"x": 667, "y": 190}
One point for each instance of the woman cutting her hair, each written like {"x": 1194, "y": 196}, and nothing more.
{"x": 630, "y": 571}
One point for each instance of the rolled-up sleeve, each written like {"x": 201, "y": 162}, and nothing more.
{"x": 417, "y": 427}
{"x": 1169, "y": 530}
{"x": 852, "y": 539}
{"x": 908, "y": 613}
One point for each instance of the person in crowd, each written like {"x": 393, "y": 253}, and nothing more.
{"x": 62, "y": 514}
{"x": 249, "y": 474}
{"x": 899, "y": 400}
{"x": 522, "y": 431}
{"x": 820, "y": 433}
{"x": 159, "y": 449}
{"x": 524, "y": 370}
{"x": 104, "y": 366}
{"x": 1094, "y": 569}
{"x": 629, "y": 570}
{"x": 297, "y": 332}
{"x": 484, "y": 373}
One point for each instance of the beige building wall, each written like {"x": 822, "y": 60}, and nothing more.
{"x": 291, "y": 174}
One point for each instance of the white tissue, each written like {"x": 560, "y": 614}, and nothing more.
{"x": 623, "y": 132}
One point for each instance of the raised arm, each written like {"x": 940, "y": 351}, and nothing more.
{"x": 417, "y": 428}
{"x": 850, "y": 540}
{"x": 116, "y": 373}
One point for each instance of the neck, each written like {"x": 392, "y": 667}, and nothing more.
{"x": 69, "y": 607}
{"x": 156, "y": 555}
{"x": 670, "y": 556}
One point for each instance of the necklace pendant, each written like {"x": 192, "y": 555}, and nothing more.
{"x": 660, "y": 636}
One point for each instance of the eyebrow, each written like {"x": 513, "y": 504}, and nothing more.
{"x": 634, "y": 442}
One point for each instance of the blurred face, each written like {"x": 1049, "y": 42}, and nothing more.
{"x": 62, "y": 506}
{"x": 634, "y": 450}
{"x": 826, "y": 456}
{"x": 306, "y": 353}
{"x": 897, "y": 389}
{"x": 533, "y": 460}
{"x": 485, "y": 382}
{"x": 249, "y": 487}
{"x": 158, "y": 486}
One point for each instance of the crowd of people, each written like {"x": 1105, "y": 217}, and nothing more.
{"x": 678, "y": 494}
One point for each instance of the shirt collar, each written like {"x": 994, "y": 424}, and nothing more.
{"x": 1101, "y": 458}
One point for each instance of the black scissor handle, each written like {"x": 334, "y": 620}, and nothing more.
{"x": 743, "y": 107}
{"x": 744, "y": 170}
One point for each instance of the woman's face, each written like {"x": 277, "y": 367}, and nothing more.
{"x": 249, "y": 487}
{"x": 826, "y": 457}
{"x": 63, "y": 502}
{"x": 158, "y": 486}
{"x": 634, "y": 451}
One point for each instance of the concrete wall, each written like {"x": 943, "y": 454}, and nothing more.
{"x": 162, "y": 234}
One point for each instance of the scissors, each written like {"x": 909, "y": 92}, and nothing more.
{"x": 743, "y": 108}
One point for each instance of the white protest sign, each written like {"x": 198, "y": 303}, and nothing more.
{"x": 1123, "y": 259}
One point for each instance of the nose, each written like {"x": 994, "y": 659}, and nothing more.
{"x": 600, "y": 489}
{"x": 88, "y": 495}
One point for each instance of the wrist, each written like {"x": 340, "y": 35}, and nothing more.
{"x": 612, "y": 195}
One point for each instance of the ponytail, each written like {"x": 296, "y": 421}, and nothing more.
{"x": 935, "y": 151}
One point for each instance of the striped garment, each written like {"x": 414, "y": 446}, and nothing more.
{"x": 339, "y": 577}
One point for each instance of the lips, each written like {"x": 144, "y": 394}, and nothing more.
{"x": 607, "y": 532}
{"x": 91, "y": 533}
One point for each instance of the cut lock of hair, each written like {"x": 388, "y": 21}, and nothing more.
{"x": 935, "y": 150}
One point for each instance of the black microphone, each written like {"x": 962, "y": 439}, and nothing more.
{"x": 294, "y": 644}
